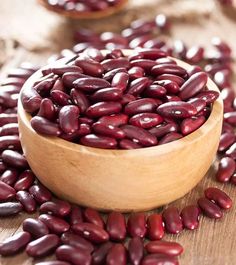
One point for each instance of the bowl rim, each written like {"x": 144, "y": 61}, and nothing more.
{"x": 215, "y": 115}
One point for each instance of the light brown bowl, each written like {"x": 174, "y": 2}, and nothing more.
{"x": 85, "y": 15}
{"x": 124, "y": 180}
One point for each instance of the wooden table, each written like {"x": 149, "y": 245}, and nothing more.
{"x": 32, "y": 33}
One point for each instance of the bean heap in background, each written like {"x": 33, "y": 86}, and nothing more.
{"x": 83, "y": 236}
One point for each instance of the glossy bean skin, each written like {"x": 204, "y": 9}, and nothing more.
{"x": 230, "y": 117}
{"x": 209, "y": 96}
{"x": 68, "y": 118}
{"x": 60, "y": 97}
{"x": 25, "y": 181}
{"x": 26, "y": 200}
{"x": 90, "y": 67}
{"x": 198, "y": 103}
{"x": 47, "y": 109}
{"x": 209, "y": 208}
{"x": 9, "y": 129}
{"x": 157, "y": 259}
{"x": 172, "y": 220}
{"x": 43, "y": 246}
{"x": 31, "y": 100}
{"x": 15, "y": 159}
{"x": 6, "y": 118}
{"x": 110, "y": 74}
{"x": 226, "y": 169}
{"x": 116, "y": 255}
{"x": 40, "y": 193}
{"x": 120, "y": 80}
{"x": 35, "y": 227}
{"x": 80, "y": 99}
{"x": 137, "y": 86}
{"x": 98, "y": 141}
{"x": 155, "y": 227}
{"x": 92, "y": 216}
{"x": 155, "y": 91}
{"x": 10, "y": 208}
{"x": 146, "y": 120}
{"x": 146, "y": 64}
{"x": 219, "y": 197}
{"x": 190, "y": 216}
{"x": 168, "y": 69}
{"x": 111, "y": 64}
{"x": 89, "y": 84}
{"x": 108, "y": 130}
{"x": 92, "y": 232}
{"x": 56, "y": 207}
{"x": 114, "y": 120}
{"x": 103, "y": 108}
{"x": 116, "y": 226}
{"x": 100, "y": 254}
{"x": 76, "y": 215}
{"x": 55, "y": 224}
{"x": 171, "y": 86}
{"x": 69, "y": 78}
{"x": 135, "y": 250}
{"x": 10, "y": 142}
{"x": 135, "y": 72}
{"x": 170, "y": 137}
{"x": 190, "y": 125}
{"x": 9, "y": 176}
{"x": 231, "y": 151}
{"x": 14, "y": 244}
{"x": 164, "y": 247}
{"x": 163, "y": 129}
{"x": 6, "y": 191}
{"x": 69, "y": 238}
{"x": 195, "y": 54}
{"x": 129, "y": 144}
{"x": 60, "y": 70}
{"x": 140, "y": 106}
{"x": 73, "y": 255}
{"x": 136, "y": 225}
{"x": 107, "y": 94}
{"x": 44, "y": 126}
{"x": 175, "y": 78}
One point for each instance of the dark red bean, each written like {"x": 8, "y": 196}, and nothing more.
{"x": 90, "y": 67}
{"x": 20, "y": 73}
{"x": 68, "y": 118}
{"x": 146, "y": 120}
{"x": 209, "y": 96}
{"x": 157, "y": 259}
{"x": 175, "y": 78}
{"x": 219, "y": 197}
{"x": 94, "y": 54}
{"x": 171, "y": 98}
{"x": 195, "y": 84}
{"x": 8, "y": 100}
{"x": 110, "y": 74}
{"x": 193, "y": 70}
{"x": 43, "y": 246}
{"x": 221, "y": 45}
{"x": 111, "y": 64}
{"x": 10, "y": 208}
{"x": 135, "y": 250}
{"x": 108, "y": 130}
{"x": 155, "y": 227}
{"x": 107, "y": 94}
{"x": 60, "y": 97}
{"x": 190, "y": 217}
{"x": 47, "y": 109}
{"x": 91, "y": 232}
{"x": 233, "y": 179}
{"x": 128, "y": 144}
{"x": 230, "y": 117}
{"x": 98, "y": 141}
{"x": 155, "y": 91}
{"x": 120, "y": 80}
{"x": 172, "y": 220}
{"x": 226, "y": 127}
{"x": 137, "y": 86}
{"x": 9, "y": 129}
{"x": 190, "y": 125}
{"x": 140, "y": 106}
{"x": 30, "y": 99}
{"x": 7, "y": 118}
{"x": 170, "y": 137}
{"x": 52, "y": 262}
{"x": 110, "y": 37}
{"x": 44, "y": 126}
{"x": 14, "y": 159}
{"x": 91, "y": 84}
{"x": 164, "y": 247}
{"x": 100, "y": 254}
{"x": 9, "y": 176}
{"x": 127, "y": 98}
{"x": 10, "y": 89}
{"x": 114, "y": 120}
{"x": 178, "y": 109}
{"x": 93, "y": 216}
{"x": 6, "y": 191}
{"x": 25, "y": 180}
{"x": 3, "y": 167}
{"x": 116, "y": 255}
{"x": 69, "y": 238}
{"x": 73, "y": 255}
{"x": 226, "y": 140}
{"x": 76, "y": 216}
{"x": 209, "y": 208}
{"x": 14, "y": 244}
{"x": 55, "y": 224}
{"x": 171, "y": 86}
{"x": 146, "y": 64}
{"x": 62, "y": 69}
{"x": 195, "y": 54}
{"x": 44, "y": 86}
{"x": 13, "y": 81}
{"x": 40, "y": 193}
{"x": 168, "y": 69}
{"x": 57, "y": 207}
{"x": 26, "y": 200}
{"x": 226, "y": 169}
{"x": 139, "y": 41}
{"x": 136, "y": 225}
{"x": 69, "y": 78}
{"x": 35, "y": 227}
{"x": 80, "y": 99}
{"x": 136, "y": 72}
{"x": 228, "y": 95}
{"x": 103, "y": 108}
{"x": 164, "y": 129}
{"x": 198, "y": 103}
{"x": 116, "y": 226}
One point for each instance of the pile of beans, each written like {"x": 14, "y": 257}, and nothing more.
{"x": 82, "y": 236}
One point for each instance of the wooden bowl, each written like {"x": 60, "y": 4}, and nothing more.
{"x": 85, "y": 15}
{"x": 124, "y": 180}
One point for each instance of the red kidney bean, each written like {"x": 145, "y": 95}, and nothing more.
{"x": 226, "y": 140}
{"x": 44, "y": 86}
{"x": 164, "y": 129}
{"x": 154, "y": 43}
{"x": 35, "y": 227}
{"x": 171, "y": 98}
{"x": 228, "y": 95}
{"x": 58, "y": 85}
{"x": 195, "y": 54}
{"x": 193, "y": 85}
{"x": 198, "y": 103}
{"x": 9, "y": 176}
{"x": 44, "y": 126}
{"x": 76, "y": 216}
{"x": 9, "y": 129}
{"x": 110, "y": 37}
{"x": 111, "y": 64}
{"x": 152, "y": 54}
{"x": 230, "y": 117}
{"x": 114, "y": 120}
{"x": 172, "y": 220}
{"x": 99, "y": 255}
{"x": 85, "y": 120}
{"x": 26, "y": 200}
{"x": 226, "y": 169}
{"x": 128, "y": 144}
{"x": 103, "y": 108}
{"x": 25, "y": 180}
{"x": 19, "y": 73}
{"x": 116, "y": 255}
{"x": 168, "y": 69}
{"x": 209, "y": 96}
{"x": 155, "y": 91}
{"x": 73, "y": 255}
{"x": 116, "y": 226}
{"x": 47, "y": 109}
{"x": 170, "y": 137}
{"x": 8, "y": 100}
{"x": 193, "y": 70}
{"x": 164, "y": 247}
{"x": 136, "y": 72}
{"x": 107, "y": 94}
{"x": 98, "y": 141}
{"x": 226, "y": 127}
{"x": 139, "y": 41}
{"x": 14, "y": 244}
{"x": 108, "y": 130}
{"x": 231, "y": 152}
{"x": 137, "y": 86}
{"x": 10, "y": 89}
{"x": 146, "y": 120}
{"x": 135, "y": 250}
{"x": 69, "y": 238}
{"x": 8, "y": 118}
{"x": 90, "y": 67}
{"x": 221, "y": 78}
{"x": 57, "y": 207}
{"x": 30, "y": 99}
{"x": 68, "y": 118}
{"x": 94, "y": 54}
{"x": 190, "y": 217}
{"x": 209, "y": 208}
{"x": 3, "y": 167}
{"x": 178, "y": 109}
{"x": 169, "y": 85}
{"x": 91, "y": 232}
{"x": 14, "y": 159}
{"x": 136, "y": 225}
{"x": 221, "y": 45}
{"x": 155, "y": 227}
{"x": 190, "y": 125}
{"x": 62, "y": 69}
{"x": 43, "y": 246}
{"x": 13, "y": 81}
{"x": 55, "y": 224}
{"x": 140, "y": 106}
{"x": 140, "y": 135}
{"x": 10, "y": 208}
{"x": 219, "y": 197}
{"x": 157, "y": 259}
{"x": 233, "y": 179}
{"x": 69, "y": 78}
{"x": 162, "y": 22}
{"x": 175, "y": 78}
{"x": 60, "y": 97}
{"x": 120, "y": 80}
{"x": 127, "y": 98}
{"x": 93, "y": 216}
{"x": 40, "y": 193}
{"x": 80, "y": 99}
{"x": 110, "y": 74}
{"x": 6, "y": 191}
{"x": 52, "y": 262}
{"x": 146, "y": 64}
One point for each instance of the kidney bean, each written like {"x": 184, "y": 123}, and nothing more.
{"x": 44, "y": 86}
{"x": 93, "y": 216}
{"x": 138, "y": 85}
{"x": 127, "y": 98}
{"x": 209, "y": 208}
{"x": 40, "y": 193}
{"x": 80, "y": 99}
{"x": 128, "y": 144}
{"x": 155, "y": 227}
{"x": 60, "y": 97}
{"x": 57, "y": 207}
{"x": 190, "y": 125}
{"x": 69, "y": 78}
{"x": 219, "y": 197}
{"x": 164, "y": 247}
{"x": 14, "y": 244}
{"x": 108, "y": 130}
{"x": 226, "y": 140}
{"x": 3, "y": 167}
{"x": 139, "y": 41}
{"x": 136, "y": 225}
{"x": 175, "y": 78}
{"x": 98, "y": 141}
{"x": 172, "y": 98}
{"x": 114, "y": 120}
{"x": 94, "y": 54}
{"x": 19, "y": 73}
{"x": 27, "y": 201}
{"x": 116, "y": 255}
{"x": 7, "y": 118}
{"x": 168, "y": 69}
{"x": 13, "y": 81}
{"x": 135, "y": 250}
{"x": 190, "y": 217}
{"x": 169, "y": 85}
{"x": 226, "y": 169}
{"x": 178, "y": 109}
{"x": 9, "y": 176}
{"x": 99, "y": 255}
{"x": 55, "y": 224}
{"x": 6, "y": 191}
{"x": 140, "y": 106}
{"x": 8, "y": 100}
{"x": 230, "y": 117}
{"x": 107, "y": 94}
{"x": 35, "y": 227}
{"x": 58, "y": 85}
{"x": 209, "y": 96}
{"x": 62, "y": 69}
{"x": 172, "y": 220}
{"x": 91, "y": 232}
{"x": 52, "y": 262}
{"x": 164, "y": 129}
{"x": 90, "y": 67}
{"x": 76, "y": 215}
{"x": 146, "y": 120}
{"x": 152, "y": 54}
{"x": 30, "y": 99}
{"x": 44, "y": 126}
{"x": 47, "y": 109}
{"x": 198, "y": 103}
{"x": 110, "y": 74}
{"x": 103, "y": 108}
{"x": 9, "y": 129}
{"x": 69, "y": 238}
{"x": 68, "y": 118}
{"x": 120, "y": 80}
{"x": 14, "y": 159}
{"x": 159, "y": 259}
{"x": 111, "y": 64}
{"x": 155, "y": 91}
{"x": 226, "y": 127}
{"x": 116, "y": 226}
{"x": 10, "y": 208}
{"x": 228, "y": 95}
{"x": 110, "y": 37}
{"x": 195, "y": 54}
{"x": 170, "y": 137}
{"x": 136, "y": 72}
{"x": 193, "y": 70}
{"x": 154, "y": 43}
{"x": 145, "y": 64}
{"x": 25, "y": 180}
{"x": 73, "y": 255}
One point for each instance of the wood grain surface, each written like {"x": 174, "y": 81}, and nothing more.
{"x": 34, "y": 34}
